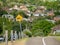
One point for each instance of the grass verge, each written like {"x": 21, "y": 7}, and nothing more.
{"x": 58, "y": 38}
{"x": 17, "y": 42}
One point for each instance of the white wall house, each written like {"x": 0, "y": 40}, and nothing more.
{"x": 56, "y": 29}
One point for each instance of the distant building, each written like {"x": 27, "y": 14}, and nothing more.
{"x": 14, "y": 7}
{"x": 36, "y": 13}
{"x": 57, "y": 18}
{"x": 5, "y": 8}
{"x": 56, "y": 29}
{"x": 28, "y": 13}
{"x": 39, "y": 11}
{"x": 8, "y": 16}
{"x": 23, "y": 7}
{"x": 50, "y": 12}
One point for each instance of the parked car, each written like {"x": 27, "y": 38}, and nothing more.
{"x": 1, "y": 38}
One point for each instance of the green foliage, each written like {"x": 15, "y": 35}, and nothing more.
{"x": 1, "y": 29}
{"x": 15, "y": 13}
{"x": 2, "y": 12}
{"x": 16, "y": 26}
{"x": 57, "y": 22}
{"x": 7, "y": 24}
{"x": 28, "y": 33}
{"x": 41, "y": 27}
{"x": 57, "y": 34}
{"x": 31, "y": 8}
{"x": 22, "y": 14}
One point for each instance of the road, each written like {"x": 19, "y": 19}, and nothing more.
{"x": 42, "y": 41}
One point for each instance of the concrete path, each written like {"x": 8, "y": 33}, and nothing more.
{"x": 42, "y": 41}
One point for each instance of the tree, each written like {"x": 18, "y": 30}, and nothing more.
{"x": 31, "y": 8}
{"x": 41, "y": 27}
{"x": 15, "y": 13}
{"x": 2, "y": 12}
{"x": 1, "y": 29}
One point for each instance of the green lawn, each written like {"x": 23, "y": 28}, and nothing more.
{"x": 58, "y": 38}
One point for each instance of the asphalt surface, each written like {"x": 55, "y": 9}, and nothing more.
{"x": 42, "y": 41}
{"x": 34, "y": 41}
{"x": 51, "y": 41}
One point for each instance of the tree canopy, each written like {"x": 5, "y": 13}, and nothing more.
{"x": 41, "y": 27}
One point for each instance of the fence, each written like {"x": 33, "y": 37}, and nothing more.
{"x": 13, "y": 36}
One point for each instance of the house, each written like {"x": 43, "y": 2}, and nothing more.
{"x": 10, "y": 17}
{"x": 41, "y": 8}
{"x": 14, "y": 7}
{"x": 5, "y": 8}
{"x": 50, "y": 12}
{"x": 28, "y": 13}
{"x": 56, "y": 29}
{"x": 23, "y": 7}
{"x": 36, "y": 13}
{"x": 57, "y": 18}
{"x": 39, "y": 11}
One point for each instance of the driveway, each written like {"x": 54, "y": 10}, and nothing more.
{"x": 42, "y": 41}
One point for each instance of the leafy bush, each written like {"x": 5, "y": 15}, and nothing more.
{"x": 15, "y": 13}
{"x": 41, "y": 27}
{"x": 28, "y": 33}
{"x": 1, "y": 27}
{"x": 2, "y": 12}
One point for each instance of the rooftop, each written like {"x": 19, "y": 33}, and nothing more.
{"x": 56, "y": 27}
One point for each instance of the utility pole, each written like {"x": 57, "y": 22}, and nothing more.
{"x": 19, "y": 18}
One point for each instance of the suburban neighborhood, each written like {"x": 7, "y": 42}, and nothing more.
{"x": 29, "y": 22}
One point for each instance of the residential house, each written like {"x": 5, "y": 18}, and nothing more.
{"x": 56, "y": 29}
{"x": 14, "y": 7}
{"x": 39, "y": 11}
{"x": 28, "y": 13}
{"x": 23, "y": 7}
{"x": 57, "y": 18}
{"x": 5, "y": 8}
{"x": 30, "y": 19}
{"x": 36, "y": 13}
{"x": 41, "y": 8}
{"x": 10, "y": 17}
{"x": 50, "y": 12}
